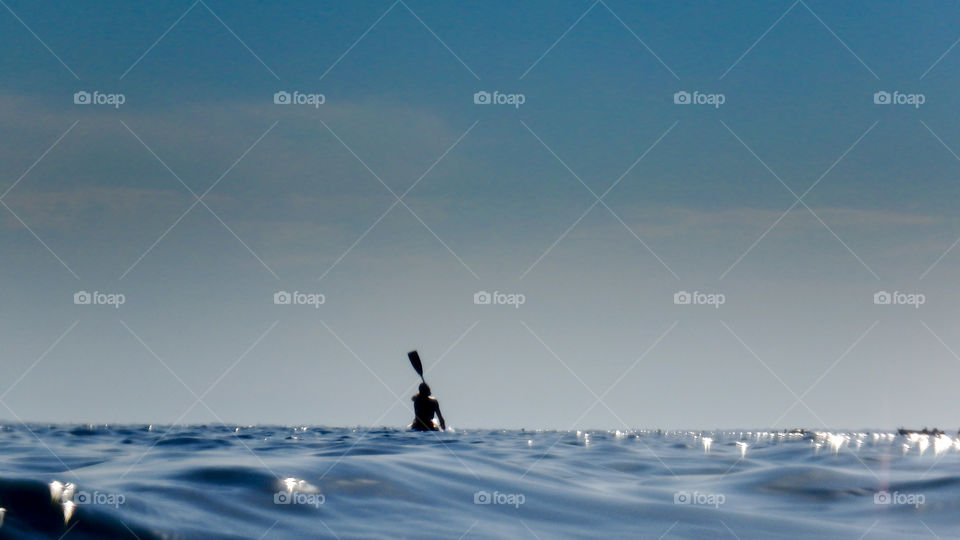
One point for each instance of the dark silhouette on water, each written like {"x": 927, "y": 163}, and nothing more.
{"x": 935, "y": 432}
{"x": 424, "y": 407}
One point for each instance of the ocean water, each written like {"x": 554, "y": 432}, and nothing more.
{"x": 146, "y": 482}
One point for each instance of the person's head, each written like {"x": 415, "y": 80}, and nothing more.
{"x": 424, "y": 389}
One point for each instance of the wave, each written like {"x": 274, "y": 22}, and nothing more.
{"x": 152, "y": 482}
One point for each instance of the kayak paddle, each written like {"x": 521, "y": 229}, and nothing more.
{"x": 415, "y": 362}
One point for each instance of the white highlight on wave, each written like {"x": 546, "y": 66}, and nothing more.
{"x": 62, "y": 494}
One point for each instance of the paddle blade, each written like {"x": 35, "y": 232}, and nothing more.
{"x": 415, "y": 362}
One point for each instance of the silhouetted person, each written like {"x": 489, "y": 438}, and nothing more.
{"x": 424, "y": 407}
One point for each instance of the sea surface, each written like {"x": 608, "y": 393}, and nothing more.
{"x": 151, "y": 482}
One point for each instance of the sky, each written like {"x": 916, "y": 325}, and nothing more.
{"x": 546, "y": 152}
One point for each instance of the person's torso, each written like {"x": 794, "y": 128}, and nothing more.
{"x": 424, "y": 407}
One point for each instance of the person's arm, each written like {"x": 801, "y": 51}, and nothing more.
{"x": 443, "y": 425}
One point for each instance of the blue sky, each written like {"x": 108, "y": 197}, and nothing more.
{"x": 501, "y": 198}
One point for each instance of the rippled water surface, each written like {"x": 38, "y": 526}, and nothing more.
{"x": 294, "y": 482}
